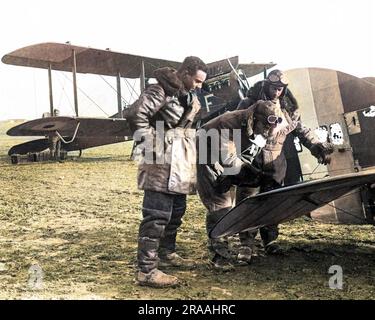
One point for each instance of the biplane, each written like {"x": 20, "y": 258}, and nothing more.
{"x": 341, "y": 108}
{"x": 62, "y": 134}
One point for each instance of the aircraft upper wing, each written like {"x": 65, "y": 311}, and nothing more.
{"x": 222, "y": 66}
{"x": 109, "y": 63}
{"x": 252, "y": 69}
{"x": 88, "y": 60}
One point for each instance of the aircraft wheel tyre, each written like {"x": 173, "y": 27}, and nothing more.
{"x": 63, "y": 155}
{"x": 15, "y": 158}
{"x": 33, "y": 157}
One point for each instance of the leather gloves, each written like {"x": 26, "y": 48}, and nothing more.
{"x": 248, "y": 175}
{"x": 223, "y": 183}
{"x": 322, "y": 152}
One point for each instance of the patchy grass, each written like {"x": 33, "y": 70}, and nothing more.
{"x": 78, "y": 220}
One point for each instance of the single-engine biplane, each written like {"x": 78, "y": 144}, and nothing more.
{"x": 62, "y": 134}
{"x": 340, "y": 107}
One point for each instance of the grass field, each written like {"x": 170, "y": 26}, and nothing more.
{"x": 69, "y": 231}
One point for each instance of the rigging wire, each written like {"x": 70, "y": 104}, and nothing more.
{"x": 313, "y": 171}
{"x": 339, "y": 209}
{"x": 336, "y": 170}
{"x": 66, "y": 95}
{"x": 346, "y": 195}
{"x": 35, "y": 96}
{"x": 87, "y": 96}
{"x": 114, "y": 89}
{"x": 130, "y": 88}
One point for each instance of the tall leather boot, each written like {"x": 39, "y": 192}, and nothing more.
{"x": 269, "y": 235}
{"x": 246, "y": 249}
{"x": 219, "y": 247}
{"x": 168, "y": 239}
{"x": 167, "y": 251}
{"x": 148, "y": 274}
{"x": 157, "y": 210}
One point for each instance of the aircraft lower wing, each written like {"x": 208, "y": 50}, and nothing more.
{"x": 288, "y": 203}
{"x": 37, "y": 145}
{"x": 76, "y": 133}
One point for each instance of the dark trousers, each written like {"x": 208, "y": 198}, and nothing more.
{"x": 267, "y": 234}
{"x": 162, "y": 215}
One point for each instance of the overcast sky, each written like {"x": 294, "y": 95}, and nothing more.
{"x": 294, "y": 34}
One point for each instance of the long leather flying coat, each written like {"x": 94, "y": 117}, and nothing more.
{"x": 228, "y": 152}
{"x": 273, "y": 155}
{"x": 168, "y": 156}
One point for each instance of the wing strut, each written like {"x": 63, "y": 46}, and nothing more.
{"x": 119, "y": 106}
{"x": 50, "y": 90}
{"x": 143, "y": 77}
{"x": 74, "y": 71}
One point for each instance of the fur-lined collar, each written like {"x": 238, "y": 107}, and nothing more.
{"x": 288, "y": 101}
{"x": 168, "y": 79}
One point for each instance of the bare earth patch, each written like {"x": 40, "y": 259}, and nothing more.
{"x": 69, "y": 231}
